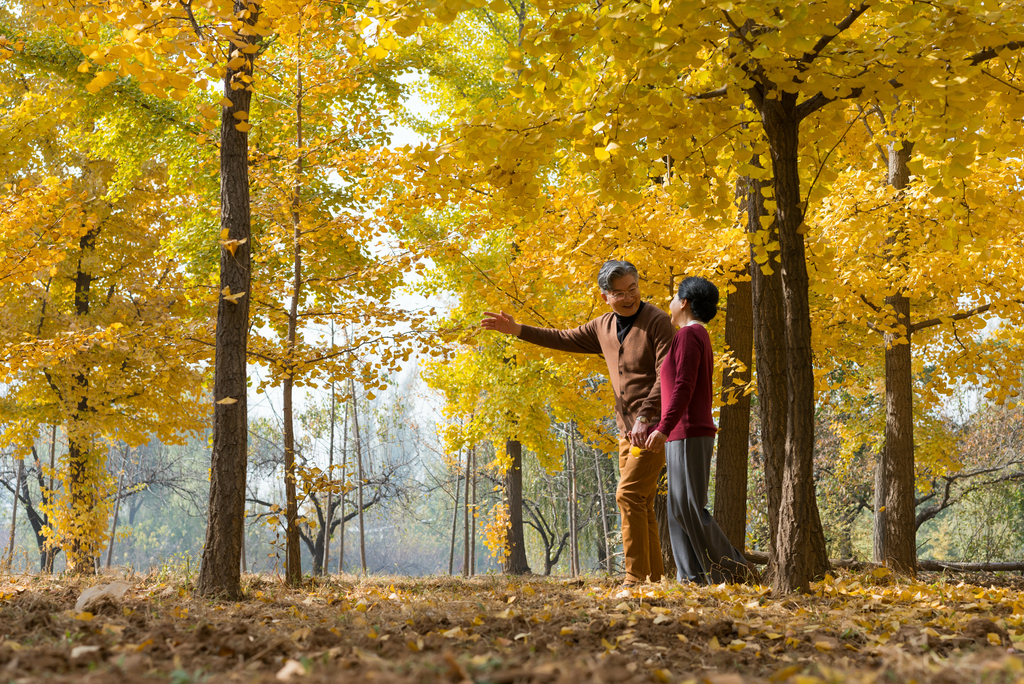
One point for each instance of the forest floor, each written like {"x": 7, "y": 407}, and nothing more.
{"x": 506, "y": 630}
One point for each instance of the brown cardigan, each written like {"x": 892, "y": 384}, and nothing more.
{"x": 632, "y": 366}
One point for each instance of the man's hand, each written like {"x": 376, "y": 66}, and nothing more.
{"x": 655, "y": 441}
{"x": 638, "y": 435}
{"x": 502, "y": 323}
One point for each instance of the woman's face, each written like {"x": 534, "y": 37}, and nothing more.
{"x": 675, "y": 308}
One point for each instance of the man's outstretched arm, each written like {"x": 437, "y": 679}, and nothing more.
{"x": 581, "y": 340}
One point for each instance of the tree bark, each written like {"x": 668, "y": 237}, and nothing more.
{"x": 894, "y": 509}
{"x": 467, "y": 513}
{"x": 801, "y": 542}
{"x": 330, "y": 494}
{"x": 117, "y": 507}
{"x": 220, "y": 574}
{"x": 359, "y": 477}
{"x": 515, "y": 562}
{"x": 661, "y": 515}
{"x": 9, "y": 560}
{"x": 455, "y": 515}
{"x": 293, "y": 552}
{"x": 770, "y": 351}
{"x": 607, "y": 560}
{"x": 734, "y": 418}
{"x": 472, "y": 522}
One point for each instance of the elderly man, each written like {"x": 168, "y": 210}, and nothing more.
{"x": 634, "y": 337}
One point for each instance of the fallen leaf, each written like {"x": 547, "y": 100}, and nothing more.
{"x": 291, "y": 669}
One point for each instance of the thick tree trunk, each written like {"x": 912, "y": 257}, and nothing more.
{"x": 220, "y": 574}
{"x": 801, "y": 542}
{"x": 734, "y": 418}
{"x": 515, "y": 562}
{"x": 770, "y": 351}
{"x": 898, "y": 543}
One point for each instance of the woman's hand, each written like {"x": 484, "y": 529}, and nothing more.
{"x": 655, "y": 440}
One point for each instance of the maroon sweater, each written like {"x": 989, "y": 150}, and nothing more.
{"x": 686, "y": 385}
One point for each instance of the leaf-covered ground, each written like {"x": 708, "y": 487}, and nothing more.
{"x": 856, "y": 628}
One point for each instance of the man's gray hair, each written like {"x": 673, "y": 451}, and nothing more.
{"x": 612, "y": 270}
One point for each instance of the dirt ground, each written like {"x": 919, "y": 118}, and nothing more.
{"x": 505, "y": 630}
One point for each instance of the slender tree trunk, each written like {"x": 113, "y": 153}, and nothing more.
{"x": 220, "y": 574}
{"x": 661, "y": 516}
{"x": 801, "y": 552}
{"x": 344, "y": 491}
{"x": 515, "y": 562}
{"x": 455, "y": 514}
{"x": 359, "y": 479}
{"x": 604, "y": 512}
{"x": 894, "y": 482}
{"x": 467, "y": 513}
{"x": 48, "y": 552}
{"x": 9, "y": 561}
{"x": 117, "y": 507}
{"x": 293, "y": 557}
{"x": 574, "y": 542}
{"x": 472, "y": 522}
{"x": 734, "y": 417}
{"x": 330, "y": 476}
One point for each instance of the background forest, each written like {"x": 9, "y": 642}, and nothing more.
{"x": 547, "y": 139}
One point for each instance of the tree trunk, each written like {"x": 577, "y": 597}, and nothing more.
{"x": 515, "y": 562}
{"x": 734, "y": 418}
{"x": 607, "y": 560}
{"x": 220, "y": 574}
{"x": 359, "y": 478}
{"x": 330, "y": 476}
{"x": 293, "y": 552}
{"x": 898, "y": 543}
{"x": 344, "y": 492}
{"x": 467, "y": 513}
{"x": 117, "y": 507}
{"x": 801, "y": 552}
{"x": 9, "y": 561}
{"x": 770, "y": 351}
{"x": 455, "y": 515}
{"x": 661, "y": 515}
{"x": 472, "y": 522}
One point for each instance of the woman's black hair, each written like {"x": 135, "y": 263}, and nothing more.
{"x": 702, "y": 295}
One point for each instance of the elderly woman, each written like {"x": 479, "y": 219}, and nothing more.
{"x": 702, "y": 552}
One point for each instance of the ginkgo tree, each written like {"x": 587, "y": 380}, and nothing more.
{"x": 628, "y": 85}
{"x": 91, "y": 303}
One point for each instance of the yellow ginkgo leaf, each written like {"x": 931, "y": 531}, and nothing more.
{"x": 102, "y": 80}
{"x": 235, "y": 63}
{"x": 243, "y": 127}
{"x": 228, "y": 401}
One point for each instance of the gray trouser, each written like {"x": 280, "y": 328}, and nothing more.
{"x": 702, "y": 551}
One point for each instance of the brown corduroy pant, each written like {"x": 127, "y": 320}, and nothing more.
{"x": 638, "y": 483}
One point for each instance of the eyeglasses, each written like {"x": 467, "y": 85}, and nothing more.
{"x": 616, "y": 295}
